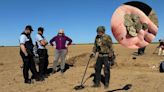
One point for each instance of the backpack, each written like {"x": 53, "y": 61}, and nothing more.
{"x": 161, "y": 67}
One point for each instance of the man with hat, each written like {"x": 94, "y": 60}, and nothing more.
{"x": 61, "y": 49}
{"x": 42, "y": 52}
{"x": 103, "y": 46}
{"x": 26, "y": 52}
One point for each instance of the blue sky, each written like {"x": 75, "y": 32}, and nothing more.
{"x": 79, "y": 18}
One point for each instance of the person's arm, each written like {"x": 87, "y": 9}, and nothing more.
{"x": 69, "y": 41}
{"x": 43, "y": 42}
{"x": 110, "y": 42}
{"x": 52, "y": 40}
{"x": 94, "y": 50}
{"x": 94, "y": 47}
{"x": 23, "y": 49}
{"x": 162, "y": 45}
{"x": 110, "y": 45}
{"x": 22, "y": 41}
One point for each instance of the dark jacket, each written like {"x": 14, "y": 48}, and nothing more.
{"x": 103, "y": 44}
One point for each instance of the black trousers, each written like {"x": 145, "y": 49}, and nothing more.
{"x": 43, "y": 61}
{"x": 99, "y": 64}
{"x": 28, "y": 64}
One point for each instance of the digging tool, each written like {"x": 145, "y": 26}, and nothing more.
{"x": 126, "y": 87}
{"x": 81, "y": 86}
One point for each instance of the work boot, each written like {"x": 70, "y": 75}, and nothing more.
{"x": 54, "y": 71}
{"x": 62, "y": 71}
{"x": 45, "y": 75}
{"x": 37, "y": 77}
{"x": 96, "y": 85}
{"x": 40, "y": 78}
{"x": 28, "y": 81}
{"x": 32, "y": 77}
{"x": 106, "y": 85}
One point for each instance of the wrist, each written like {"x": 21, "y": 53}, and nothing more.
{"x": 66, "y": 45}
{"x": 93, "y": 52}
{"x": 26, "y": 54}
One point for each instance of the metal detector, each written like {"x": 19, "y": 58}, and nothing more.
{"x": 81, "y": 86}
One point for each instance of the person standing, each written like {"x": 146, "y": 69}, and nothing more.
{"x": 26, "y": 53}
{"x": 61, "y": 49}
{"x": 158, "y": 47}
{"x": 161, "y": 48}
{"x": 102, "y": 46}
{"x": 41, "y": 43}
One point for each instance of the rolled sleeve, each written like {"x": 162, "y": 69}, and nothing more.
{"x": 52, "y": 40}
{"x": 22, "y": 39}
{"x": 39, "y": 38}
{"x": 69, "y": 40}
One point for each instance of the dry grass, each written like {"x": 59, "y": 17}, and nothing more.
{"x": 141, "y": 72}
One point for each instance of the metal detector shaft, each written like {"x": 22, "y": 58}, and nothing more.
{"x": 85, "y": 71}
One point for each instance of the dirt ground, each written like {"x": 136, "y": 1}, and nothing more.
{"x": 142, "y": 73}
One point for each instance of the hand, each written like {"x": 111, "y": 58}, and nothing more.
{"x": 143, "y": 38}
{"x": 92, "y": 55}
{"x": 26, "y": 54}
{"x": 66, "y": 46}
{"x": 46, "y": 42}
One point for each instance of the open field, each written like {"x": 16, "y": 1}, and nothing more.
{"x": 142, "y": 72}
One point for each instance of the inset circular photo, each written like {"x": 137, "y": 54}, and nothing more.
{"x": 134, "y": 24}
